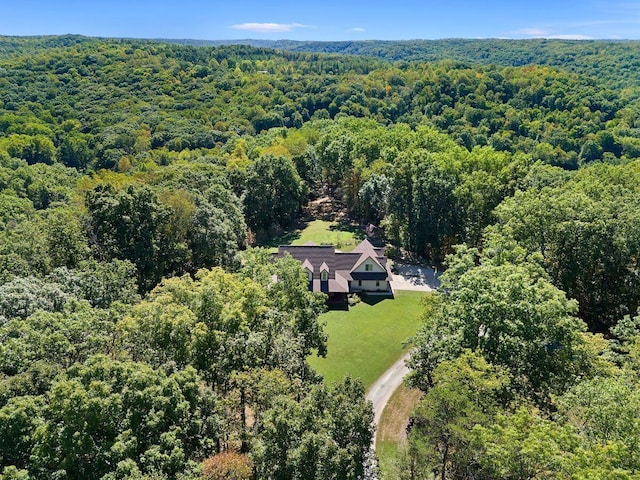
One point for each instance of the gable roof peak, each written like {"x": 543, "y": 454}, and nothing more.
{"x": 365, "y": 246}
{"x": 363, "y": 258}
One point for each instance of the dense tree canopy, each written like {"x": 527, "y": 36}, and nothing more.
{"x": 509, "y": 313}
{"x": 587, "y": 231}
{"x": 142, "y": 338}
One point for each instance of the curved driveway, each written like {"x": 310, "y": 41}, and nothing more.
{"x": 407, "y": 277}
{"x": 382, "y": 389}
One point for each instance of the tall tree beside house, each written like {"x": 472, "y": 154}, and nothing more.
{"x": 165, "y": 233}
{"x": 511, "y": 315}
{"x": 424, "y": 214}
{"x": 274, "y": 193}
{"x": 217, "y": 229}
{"x": 223, "y": 323}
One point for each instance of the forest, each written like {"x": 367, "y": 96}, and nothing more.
{"x": 142, "y": 333}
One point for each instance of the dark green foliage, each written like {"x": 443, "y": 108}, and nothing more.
{"x": 105, "y": 412}
{"x": 124, "y": 163}
{"x": 422, "y": 204}
{"x": 465, "y": 393}
{"x": 428, "y": 192}
{"x": 223, "y": 323}
{"x": 217, "y": 229}
{"x": 587, "y": 231}
{"x": 56, "y": 338}
{"x": 93, "y": 393}
{"x": 512, "y": 316}
{"x": 374, "y": 198}
{"x": 128, "y": 225}
{"x": 274, "y": 194}
{"x": 74, "y": 151}
{"x": 326, "y": 435}
{"x": 94, "y": 102}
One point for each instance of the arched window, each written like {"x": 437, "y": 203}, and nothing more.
{"x": 324, "y": 276}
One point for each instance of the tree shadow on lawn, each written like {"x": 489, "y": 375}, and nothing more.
{"x": 352, "y": 228}
{"x": 343, "y": 306}
{"x": 285, "y": 238}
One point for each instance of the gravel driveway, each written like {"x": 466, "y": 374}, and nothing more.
{"x": 380, "y": 392}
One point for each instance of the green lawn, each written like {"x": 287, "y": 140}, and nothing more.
{"x": 344, "y": 237}
{"x": 367, "y": 339}
{"x": 387, "y": 453}
{"x": 322, "y": 232}
{"x": 391, "y": 428}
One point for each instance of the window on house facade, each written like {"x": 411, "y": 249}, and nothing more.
{"x": 359, "y": 283}
{"x": 324, "y": 276}
{"x": 377, "y": 284}
{"x": 368, "y": 267}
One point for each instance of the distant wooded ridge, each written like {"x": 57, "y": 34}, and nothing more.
{"x": 617, "y": 62}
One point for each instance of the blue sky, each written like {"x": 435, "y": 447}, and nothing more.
{"x": 324, "y": 20}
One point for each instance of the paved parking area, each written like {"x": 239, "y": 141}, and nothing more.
{"x": 415, "y": 278}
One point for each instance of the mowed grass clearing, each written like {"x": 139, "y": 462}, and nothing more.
{"x": 330, "y": 233}
{"x": 367, "y": 339}
{"x": 322, "y": 232}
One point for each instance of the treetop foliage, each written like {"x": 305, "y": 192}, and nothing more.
{"x": 140, "y": 334}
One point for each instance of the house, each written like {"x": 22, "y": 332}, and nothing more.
{"x": 364, "y": 269}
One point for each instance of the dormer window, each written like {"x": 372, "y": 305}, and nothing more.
{"x": 324, "y": 272}
{"x": 308, "y": 270}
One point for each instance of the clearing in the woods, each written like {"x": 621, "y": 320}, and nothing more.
{"x": 368, "y": 338}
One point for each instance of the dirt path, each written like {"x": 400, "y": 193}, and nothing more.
{"x": 382, "y": 389}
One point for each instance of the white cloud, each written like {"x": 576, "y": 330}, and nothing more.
{"x": 570, "y": 36}
{"x": 532, "y": 32}
{"x": 268, "y": 27}
{"x": 542, "y": 33}
{"x": 358, "y": 29}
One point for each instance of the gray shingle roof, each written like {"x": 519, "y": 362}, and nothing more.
{"x": 339, "y": 265}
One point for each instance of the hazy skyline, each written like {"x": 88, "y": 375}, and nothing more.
{"x": 327, "y": 20}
